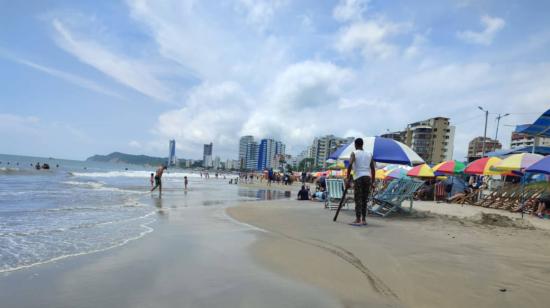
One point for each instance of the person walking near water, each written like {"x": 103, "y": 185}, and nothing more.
{"x": 158, "y": 179}
{"x": 185, "y": 182}
{"x": 363, "y": 168}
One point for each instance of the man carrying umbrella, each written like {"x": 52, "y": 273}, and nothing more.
{"x": 363, "y": 168}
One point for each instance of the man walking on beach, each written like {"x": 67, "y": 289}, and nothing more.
{"x": 158, "y": 179}
{"x": 360, "y": 162}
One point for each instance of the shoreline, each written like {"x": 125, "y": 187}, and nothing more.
{"x": 426, "y": 260}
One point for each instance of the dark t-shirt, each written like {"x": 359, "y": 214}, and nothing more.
{"x": 303, "y": 194}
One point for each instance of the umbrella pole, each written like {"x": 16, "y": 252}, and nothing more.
{"x": 522, "y": 194}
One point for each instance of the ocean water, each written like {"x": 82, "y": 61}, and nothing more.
{"x": 82, "y": 207}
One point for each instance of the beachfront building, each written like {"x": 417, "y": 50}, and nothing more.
{"x": 268, "y": 150}
{"x": 207, "y": 156}
{"x": 475, "y": 147}
{"x": 295, "y": 160}
{"x": 232, "y": 164}
{"x": 323, "y": 146}
{"x": 520, "y": 140}
{"x": 172, "y": 160}
{"x": 244, "y": 144}
{"x": 432, "y": 139}
{"x": 216, "y": 163}
{"x": 400, "y": 136}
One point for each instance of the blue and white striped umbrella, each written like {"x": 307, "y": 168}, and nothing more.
{"x": 384, "y": 150}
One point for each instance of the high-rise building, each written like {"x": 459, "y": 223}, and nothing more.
{"x": 207, "y": 156}
{"x": 244, "y": 144}
{"x": 268, "y": 151}
{"x": 520, "y": 140}
{"x": 322, "y": 147}
{"x": 400, "y": 136}
{"x": 172, "y": 161}
{"x": 216, "y": 163}
{"x": 432, "y": 139}
{"x": 251, "y": 156}
{"x": 475, "y": 147}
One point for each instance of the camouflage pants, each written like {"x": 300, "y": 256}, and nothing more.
{"x": 361, "y": 188}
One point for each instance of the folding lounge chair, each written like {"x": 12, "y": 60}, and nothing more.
{"x": 391, "y": 201}
{"x": 335, "y": 192}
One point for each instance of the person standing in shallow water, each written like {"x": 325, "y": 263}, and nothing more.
{"x": 185, "y": 182}
{"x": 363, "y": 168}
{"x": 158, "y": 179}
{"x": 152, "y": 180}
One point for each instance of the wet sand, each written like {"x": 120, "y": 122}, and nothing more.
{"x": 427, "y": 260}
{"x": 196, "y": 257}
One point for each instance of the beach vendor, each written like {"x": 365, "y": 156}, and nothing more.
{"x": 158, "y": 179}
{"x": 363, "y": 168}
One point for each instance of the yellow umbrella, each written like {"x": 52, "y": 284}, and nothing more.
{"x": 421, "y": 171}
{"x": 380, "y": 174}
{"x": 517, "y": 162}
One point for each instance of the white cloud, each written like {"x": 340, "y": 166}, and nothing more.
{"x": 492, "y": 26}
{"x": 259, "y": 13}
{"x": 370, "y": 37}
{"x": 213, "y": 113}
{"x": 135, "y": 144}
{"x": 131, "y": 73}
{"x": 74, "y": 79}
{"x": 416, "y": 47}
{"x": 347, "y": 10}
{"x": 284, "y": 85}
{"x": 294, "y": 106}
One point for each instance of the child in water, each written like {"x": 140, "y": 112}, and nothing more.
{"x": 152, "y": 179}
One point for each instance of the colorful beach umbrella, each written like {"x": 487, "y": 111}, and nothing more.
{"x": 398, "y": 173}
{"x": 517, "y": 162}
{"x": 337, "y": 166}
{"x": 483, "y": 166}
{"x": 384, "y": 150}
{"x": 542, "y": 166}
{"x": 449, "y": 167}
{"x": 380, "y": 174}
{"x": 423, "y": 171}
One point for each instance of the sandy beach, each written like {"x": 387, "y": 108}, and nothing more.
{"x": 444, "y": 256}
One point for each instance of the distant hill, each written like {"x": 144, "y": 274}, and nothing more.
{"x": 117, "y": 157}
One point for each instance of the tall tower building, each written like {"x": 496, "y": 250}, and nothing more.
{"x": 251, "y": 157}
{"x": 207, "y": 156}
{"x": 244, "y": 143}
{"x": 172, "y": 153}
{"x": 268, "y": 150}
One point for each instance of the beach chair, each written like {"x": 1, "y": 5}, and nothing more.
{"x": 470, "y": 198}
{"x": 335, "y": 192}
{"x": 391, "y": 201}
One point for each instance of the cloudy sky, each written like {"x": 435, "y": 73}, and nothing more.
{"x": 84, "y": 77}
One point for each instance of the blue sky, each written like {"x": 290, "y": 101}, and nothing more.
{"x": 84, "y": 77}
